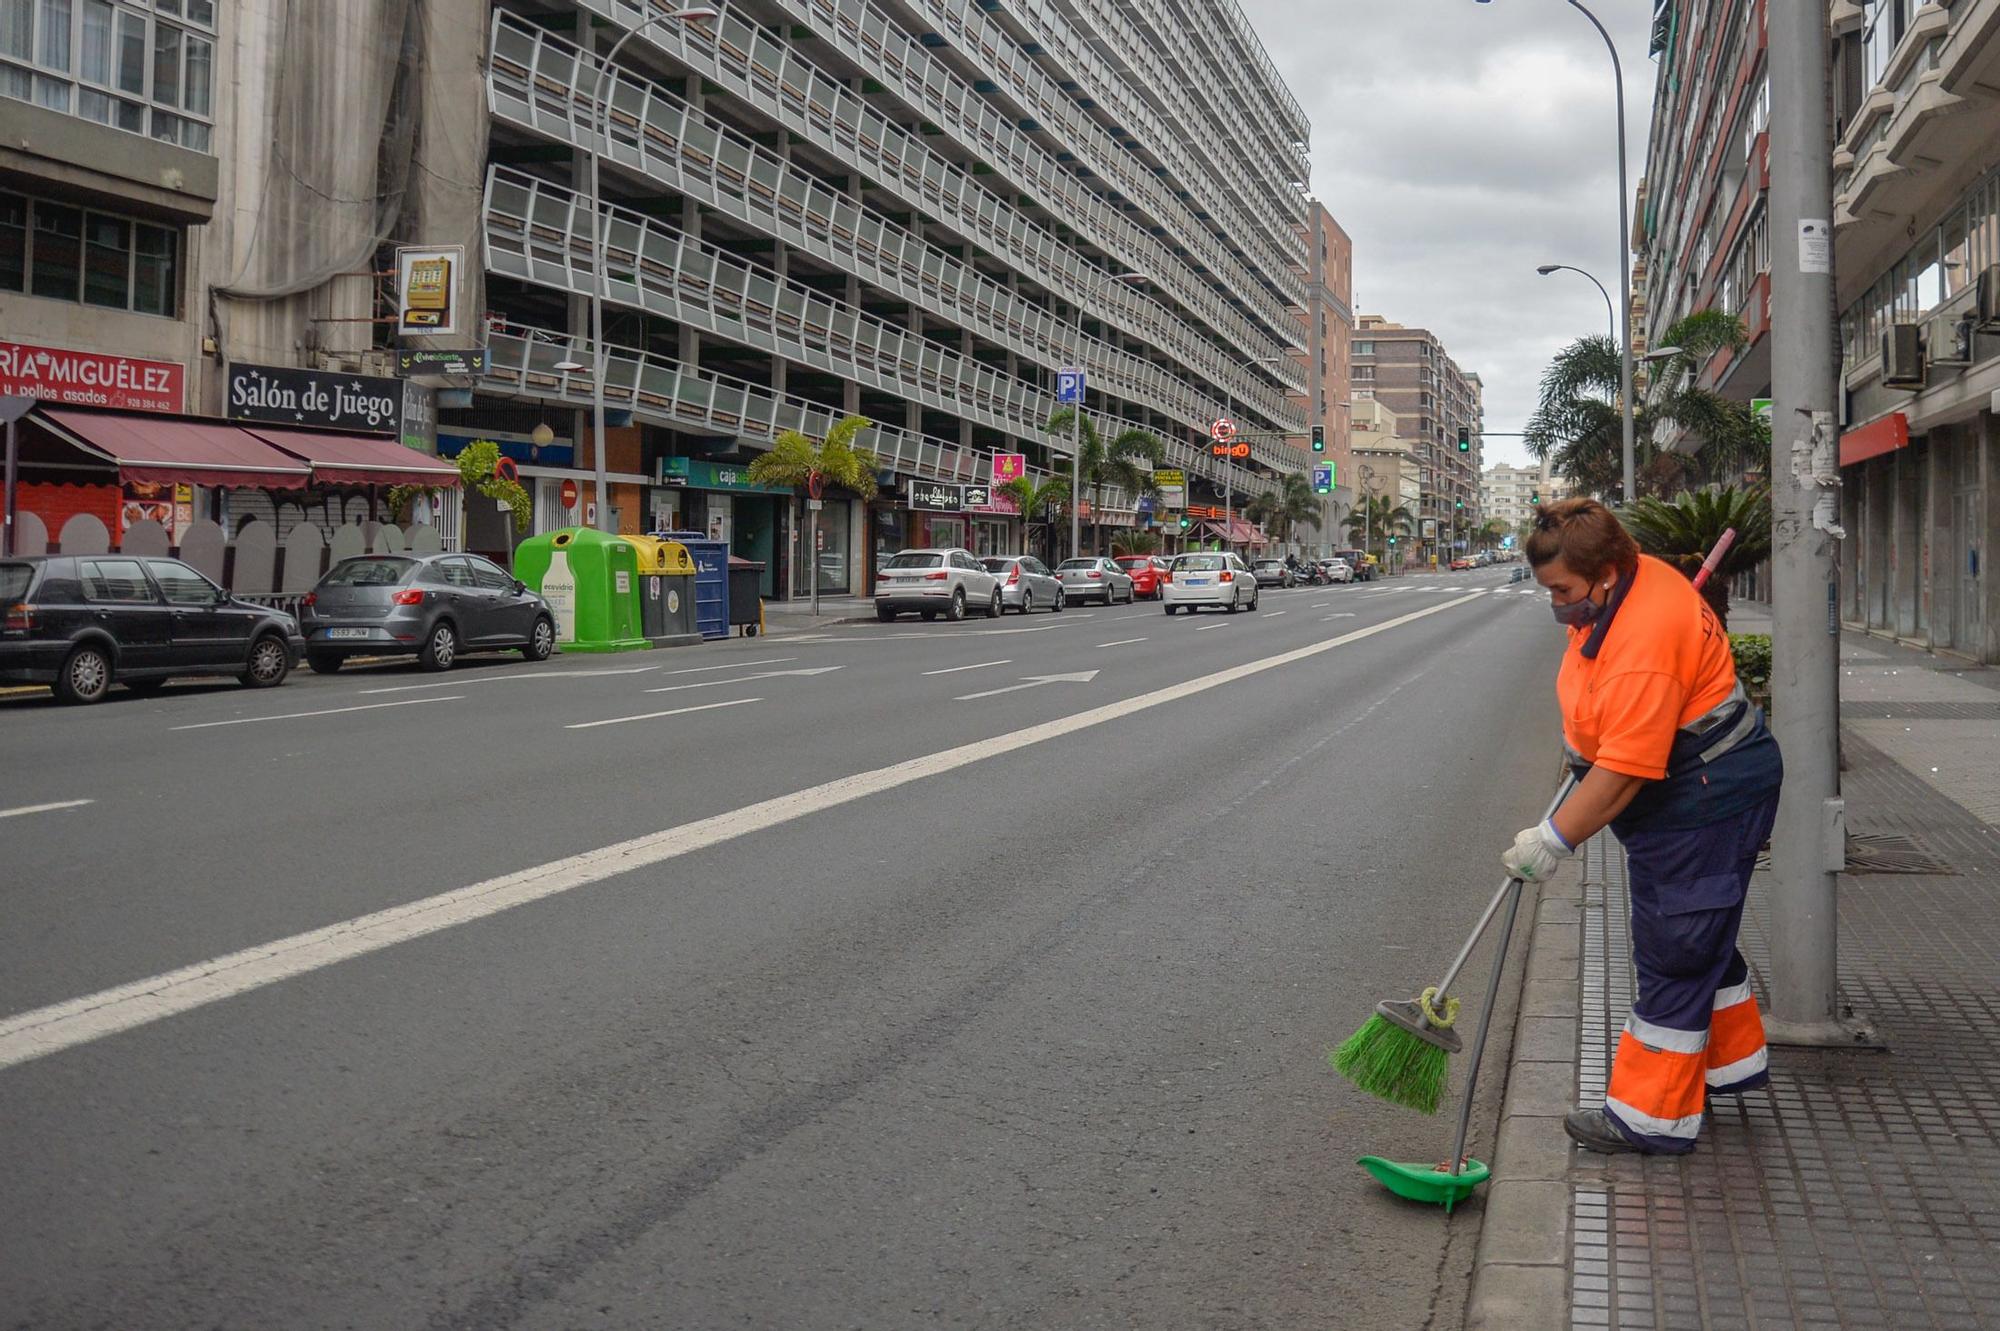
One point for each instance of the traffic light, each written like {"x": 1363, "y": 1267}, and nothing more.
{"x": 1319, "y": 439}
{"x": 1459, "y": 504}
{"x": 1185, "y": 524}
{"x": 1464, "y": 439}
{"x": 1534, "y": 496}
{"x": 1392, "y": 540}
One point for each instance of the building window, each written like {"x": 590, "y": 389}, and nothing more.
{"x": 143, "y": 66}
{"x": 64, "y": 253}
{"x": 1364, "y": 348}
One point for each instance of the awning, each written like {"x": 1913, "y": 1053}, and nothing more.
{"x": 1874, "y": 439}
{"x": 1235, "y": 531}
{"x": 352, "y": 459}
{"x": 169, "y": 449}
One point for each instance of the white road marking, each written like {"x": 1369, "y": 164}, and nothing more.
{"x": 1273, "y": 614}
{"x": 1122, "y": 642}
{"x": 1034, "y": 682}
{"x": 743, "y": 679}
{"x": 1203, "y": 628}
{"x": 324, "y": 711}
{"x": 1389, "y": 592}
{"x": 735, "y": 665}
{"x": 650, "y": 716}
{"x": 78, "y": 1021}
{"x": 953, "y": 670}
{"x": 1321, "y": 605}
{"x": 44, "y": 808}
{"x": 1338, "y": 614}
{"x": 509, "y": 678}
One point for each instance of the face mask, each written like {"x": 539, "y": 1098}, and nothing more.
{"x": 1577, "y": 614}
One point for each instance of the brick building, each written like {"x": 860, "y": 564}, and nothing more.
{"x": 1409, "y": 371}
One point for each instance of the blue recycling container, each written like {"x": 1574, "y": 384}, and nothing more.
{"x": 711, "y": 581}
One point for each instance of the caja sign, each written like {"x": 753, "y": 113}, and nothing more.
{"x": 362, "y": 403}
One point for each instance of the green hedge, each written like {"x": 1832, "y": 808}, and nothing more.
{"x": 1753, "y": 660}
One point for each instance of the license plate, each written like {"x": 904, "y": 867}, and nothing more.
{"x": 1195, "y": 582}
{"x": 347, "y": 633}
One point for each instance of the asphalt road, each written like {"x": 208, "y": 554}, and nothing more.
{"x": 776, "y": 983}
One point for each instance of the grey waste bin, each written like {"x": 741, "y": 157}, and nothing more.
{"x": 666, "y": 592}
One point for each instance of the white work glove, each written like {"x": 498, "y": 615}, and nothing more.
{"x": 1536, "y": 852}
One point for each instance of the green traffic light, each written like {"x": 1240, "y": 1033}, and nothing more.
{"x": 1319, "y": 439}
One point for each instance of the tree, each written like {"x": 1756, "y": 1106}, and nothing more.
{"x": 798, "y": 462}
{"x": 1375, "y": 519}
{"x": 1130, "y": 542}
{"x": 1283, "y": 510}
{"x": 1577, "y": 426}
{"x": 1490, "y": 534}
{"x": 1102, "y": 464}
{"x": 1041, "y": 505}
{"x": 1684, "y": 531}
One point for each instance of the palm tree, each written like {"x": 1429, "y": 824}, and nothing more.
{"x": 1135, "y": 543}
{"x": 1040, "y": 505}
{"x": 1576, "y": 423}
{"x": 1491, "y": 533}
{"x": 798, "y": 462}
{"x": 1684, "y": 531}
{"x": 1283, "y": 510}
{"x": 1375, "y": 519}
{"x": 1102, "y": 464}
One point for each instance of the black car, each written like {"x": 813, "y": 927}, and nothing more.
{"x": 435, "y": 607}
{"x": 82, "y": 622}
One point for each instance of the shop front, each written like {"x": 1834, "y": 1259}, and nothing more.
{"x": 720, "y": 501}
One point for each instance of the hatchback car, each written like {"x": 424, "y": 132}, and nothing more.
{"x": 1095, "y": 578}
{"x": 1337, "y": 570}
{"x": 1273, "y": 573}
{"x": 1218, "y": 578}
{"x": 1025, "y": 582}
{"x": 79, "y": 623}
{"x": 1148, "y": 574}
{"x": 436, "y": 607}
{"x": 944, "y": 581}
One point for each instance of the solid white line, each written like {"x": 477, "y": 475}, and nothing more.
{"x": 1273, "y": 614}
{"x": 953, "y": 670}
{"x": 325, "y": 711}
{"x": 44, "y": 808}
{"x": 1122, "y": 642}
{"x": 58, "y": 1026}
{"x": 654, "y": 716}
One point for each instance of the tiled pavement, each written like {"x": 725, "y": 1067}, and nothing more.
{"x": 1862, "y": 1190}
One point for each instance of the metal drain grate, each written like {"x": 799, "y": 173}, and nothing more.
{"x": 1882, "y": 852}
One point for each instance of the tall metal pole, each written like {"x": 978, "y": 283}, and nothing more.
{"x": 1228, "y": 474}
{"x": 1610, "y": 310}
{"x": 1808, "y": 842}
{"x": 1629, "y": 447}
{"x": 1076, "y": 450}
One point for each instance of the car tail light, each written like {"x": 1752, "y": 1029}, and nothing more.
{"x": 1096, "y": 574}
{"x": 311, "y": 599}
{"x": 1227, "y": 576}
{"x": 939, "y": 576}
{"x": 1013, "y": 575}
{"x": 408, "y": 596}
{"x": 21, "y": 618}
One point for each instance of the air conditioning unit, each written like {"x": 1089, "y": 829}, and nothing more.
{"x": 1948, "y": 338}
{"x": 1987, "y": 302}
{"x": 1903, "y": 357}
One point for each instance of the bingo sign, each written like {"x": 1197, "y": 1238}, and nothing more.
{"x": 86, "y": 379}
{"x": 1009, "y": 467}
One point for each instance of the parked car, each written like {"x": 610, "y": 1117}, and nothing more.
{"x": 943, "y": 581}
{"x": 1148, "y": 573}
{"x": 1218, "y": 578}
{"x": 1025, "y": 582}
{"x": 80, "y": 623}
{"x": 1360, "y": 563}
{"x": 1273, "y": 573}
{"x": 436, "y": 607}
{"x": 1338, "y": 570}
{"x": 1095, "y": 578}
{"x": 1460, "y": 564}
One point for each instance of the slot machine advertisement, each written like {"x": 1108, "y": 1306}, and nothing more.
{"x": 429, "y": 282}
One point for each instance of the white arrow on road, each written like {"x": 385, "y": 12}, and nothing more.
{"x": 1034, "y": 682}
{"x": 745, "y": 679}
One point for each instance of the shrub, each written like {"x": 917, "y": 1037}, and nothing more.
{"x": 1753, "y": 660}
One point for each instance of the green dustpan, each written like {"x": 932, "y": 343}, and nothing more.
{"x": 1427, "y": 1183}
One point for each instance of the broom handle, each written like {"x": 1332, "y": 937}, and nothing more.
{"x": 1493, "y": 906}
{"x": 1485, "y": 1022}
{"x": 1709, "y": 565}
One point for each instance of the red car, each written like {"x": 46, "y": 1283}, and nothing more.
{"x": 1149, "y": 574}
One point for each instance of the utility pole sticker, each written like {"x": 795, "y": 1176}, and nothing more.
{"x": 1815, "y": 245}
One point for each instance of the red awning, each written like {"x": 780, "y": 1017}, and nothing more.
{"x": 1235, "y": 531}
{"x": 170, "y": 449}
{"x": 352, "y": 459}
{"x": 1874, "y": 439}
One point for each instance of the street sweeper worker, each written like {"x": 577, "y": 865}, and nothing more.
{"x": 1673, "y": 758}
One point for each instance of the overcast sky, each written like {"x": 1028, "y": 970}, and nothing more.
{"x": 1462, "y": 144}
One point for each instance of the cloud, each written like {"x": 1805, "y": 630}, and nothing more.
{"x": 1461, "y": 145}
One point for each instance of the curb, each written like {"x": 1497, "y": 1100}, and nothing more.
{"x": 1520, "y": 1273}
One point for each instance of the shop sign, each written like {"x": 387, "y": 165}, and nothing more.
{"x": 937, "y": 497}
{"x": 428, "y": 283}
{"x": 419, "y": 428}
{"x": 363, "y": 403}
{"x": 471, "y": 360}
{"x": 1009, "y": 467}
{"x": 87, "y": 379}
{"x": 978, "y": 496}
{"x": 701, "y": 474}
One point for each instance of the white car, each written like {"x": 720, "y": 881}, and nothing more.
{"x": 944, "y": 582}
{"x": 1338, "y": 569}
{"x": 1211, "y": 578}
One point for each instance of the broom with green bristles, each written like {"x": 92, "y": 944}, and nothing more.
{"x": 1403, "y": 1052}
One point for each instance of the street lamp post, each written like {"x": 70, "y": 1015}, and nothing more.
{"x": 1076, "y": 416}
{"x": 1610, "y": 310}
{"x": 601, "y": 134}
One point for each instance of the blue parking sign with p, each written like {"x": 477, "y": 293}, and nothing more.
{"x": 1069, "y": 386}
{"x": 1323, "y": 479}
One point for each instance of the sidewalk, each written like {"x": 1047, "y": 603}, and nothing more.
{"x": 1862, "y": 1190}
{"x": 798, "y": 616}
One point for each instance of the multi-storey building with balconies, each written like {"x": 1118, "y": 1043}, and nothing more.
{"x": 1511, "y": 494}
{"x": 1326, "y": 342}
{"x": 911, "y": 210}
{"x": 1408, "y": 371}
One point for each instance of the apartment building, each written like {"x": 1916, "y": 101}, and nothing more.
{"x": 1386, "y": 464}
{"x": 906, "y": 209}
{"x": 1326, "y": 344}
{"x": 1511, "y": 494}
{"x": 1409, "y": 371}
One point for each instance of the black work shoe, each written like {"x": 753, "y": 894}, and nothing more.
{"x": 1594, "y": 1131}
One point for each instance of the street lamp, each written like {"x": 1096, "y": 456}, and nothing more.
{"x": 601, "y": 134}
{"x": 1610, "y": 310}
{"x": 1229, "y": 475}
{"x": 1629, "y": 449}
{"x": 1076, "y": 415}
